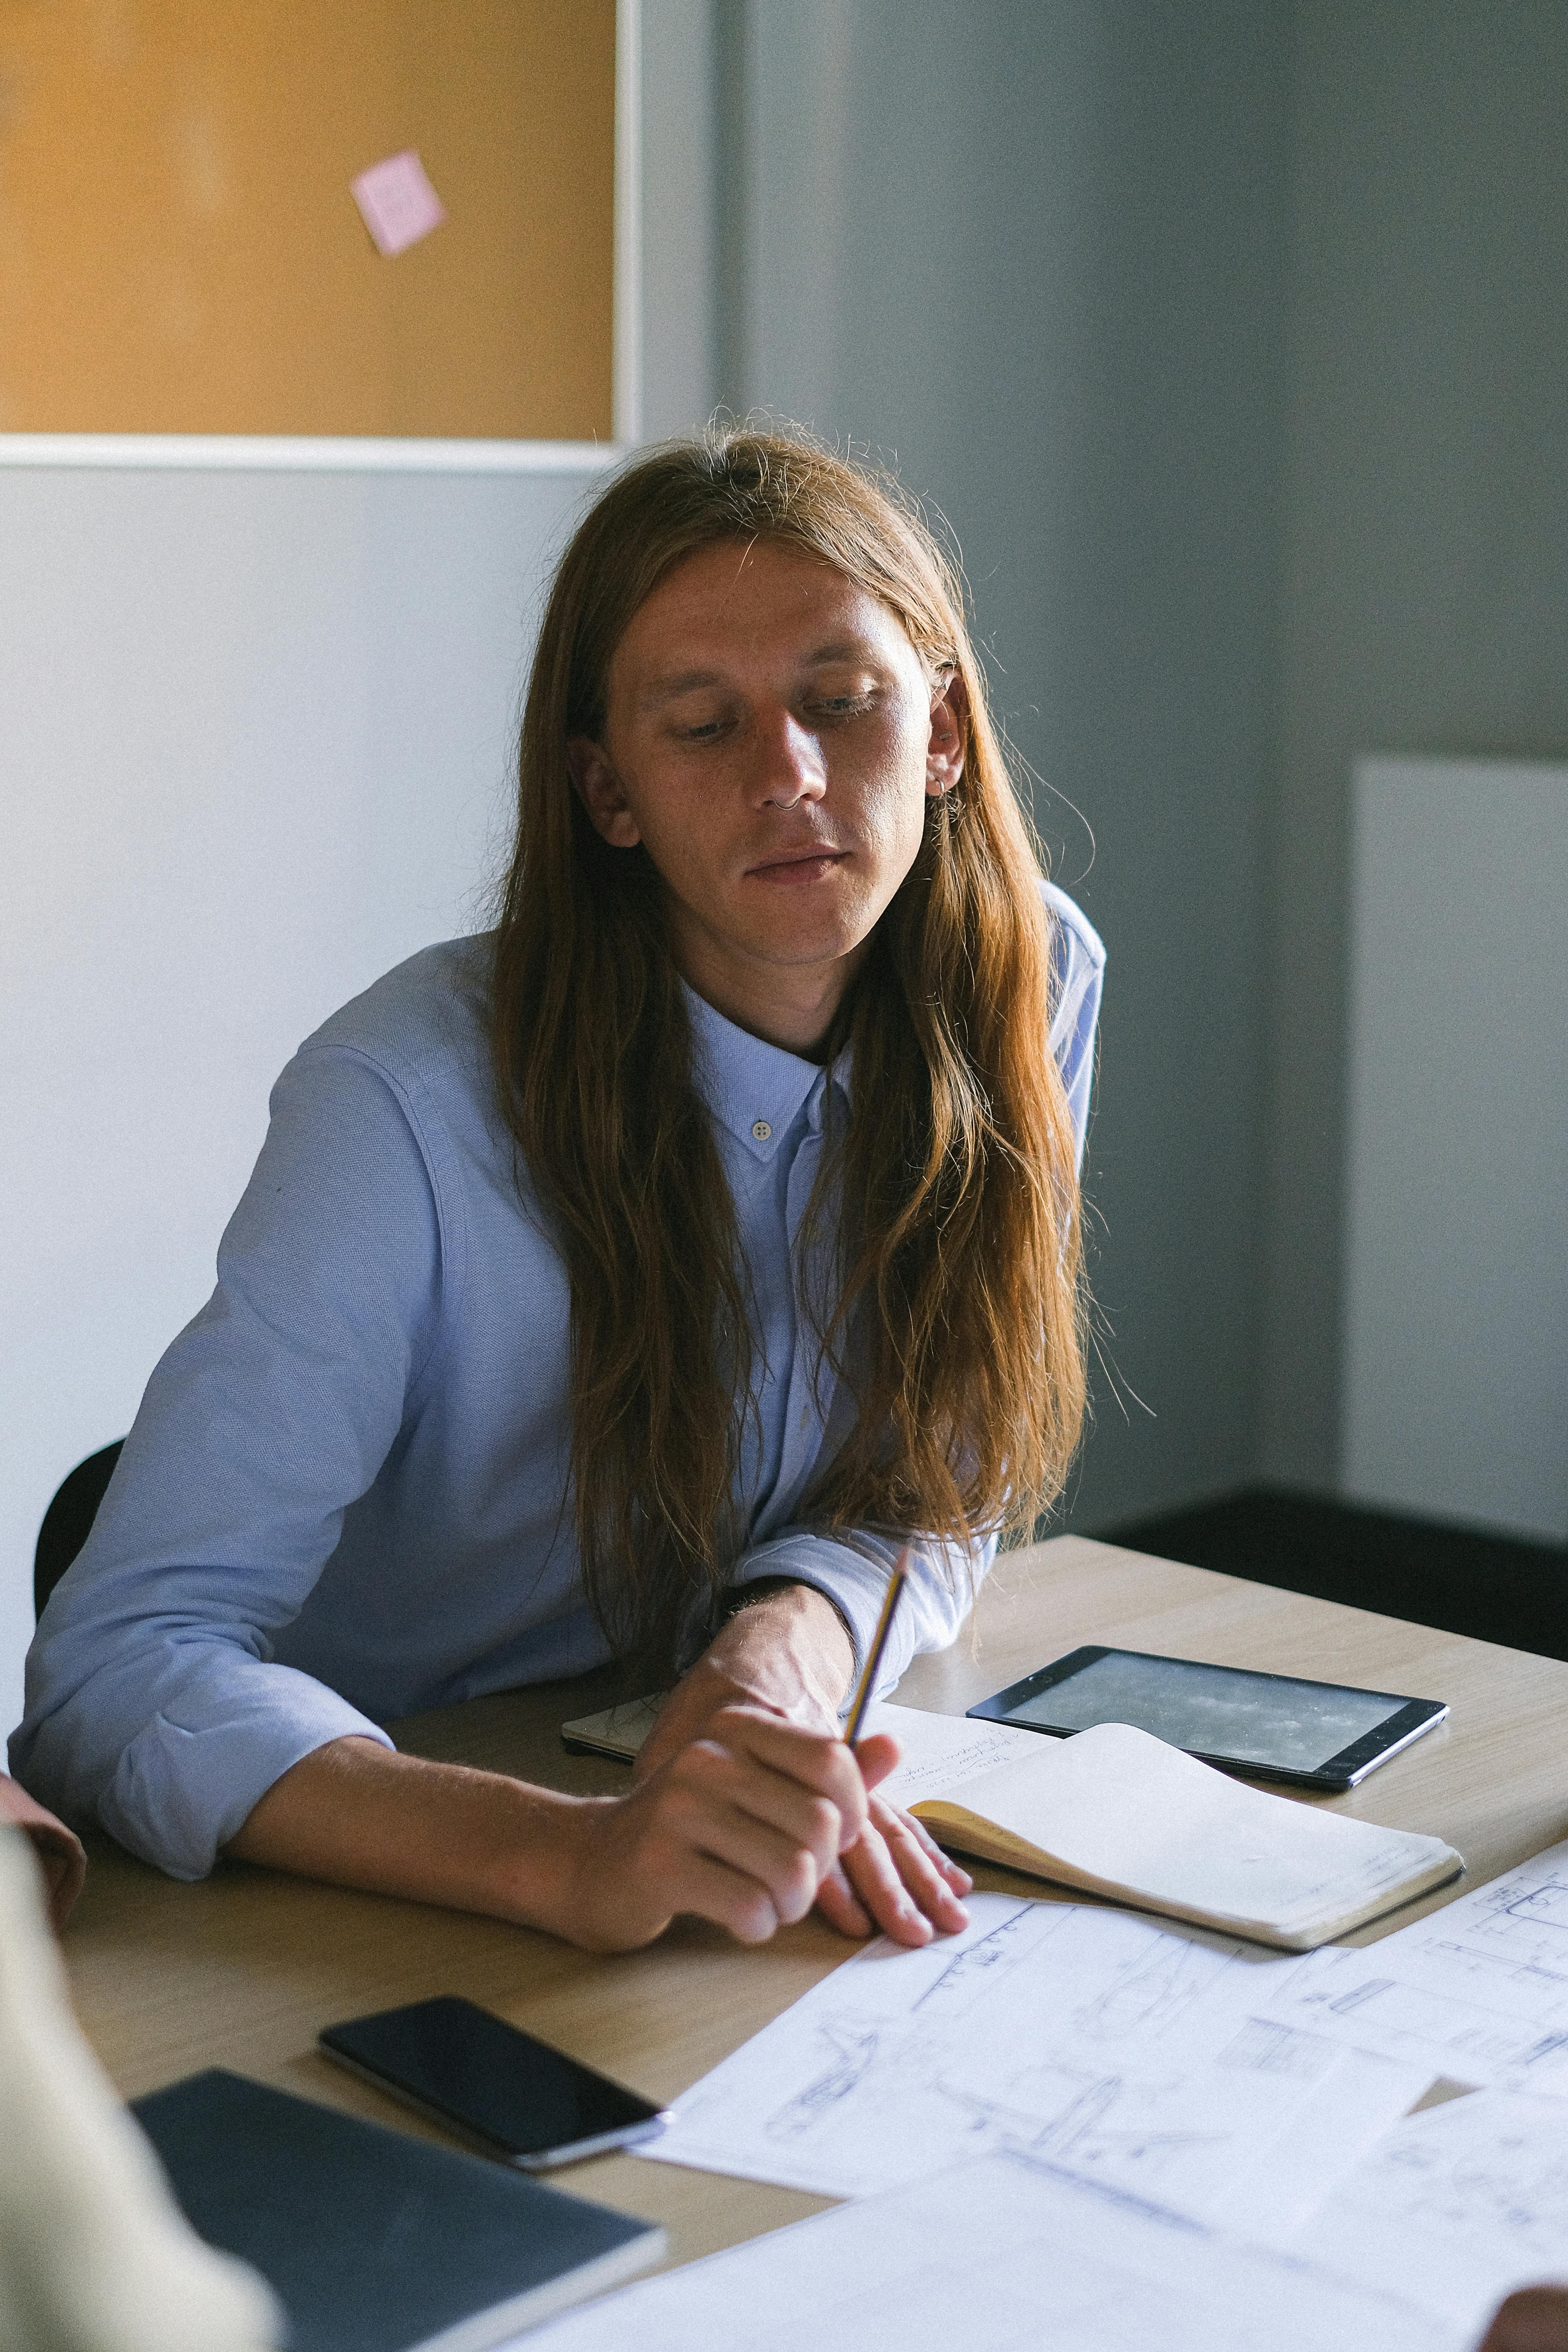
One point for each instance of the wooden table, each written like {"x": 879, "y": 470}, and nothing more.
{"x": 244, "y": 1969}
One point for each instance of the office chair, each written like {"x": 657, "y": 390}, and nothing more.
{"x": 68, "y": 1520}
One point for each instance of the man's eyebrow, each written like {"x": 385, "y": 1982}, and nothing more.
{"x": 686, "y": 682}
{"x": 855, "y": 649}
{"x": 670, "y": 688}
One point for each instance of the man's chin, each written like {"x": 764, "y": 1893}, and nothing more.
{"x": 824, "y": 951}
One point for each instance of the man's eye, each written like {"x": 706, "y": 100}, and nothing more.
{"x": 705, "y": 730}
{"x": 844, "y": 705}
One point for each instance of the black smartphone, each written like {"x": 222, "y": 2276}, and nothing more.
{"x": 514, "y": 2096}
{"x": 1270, "y": 1727}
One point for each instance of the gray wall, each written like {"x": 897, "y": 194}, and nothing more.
{"x": 1233, "y": 343}
{"x": 1425, "y": 554}
{"x": 680, "y": 213}
{"x": 1038, "y": 260}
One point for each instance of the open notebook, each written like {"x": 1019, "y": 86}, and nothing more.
{"x": 1117, "y": 1813}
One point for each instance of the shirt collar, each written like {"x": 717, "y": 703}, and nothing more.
{"x": 756, "y": 1090}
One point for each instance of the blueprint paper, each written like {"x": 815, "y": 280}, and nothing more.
{"x": 1455, "y": 2206}
{"x": 1120, "y": 2050}
{"x": 1477, "y": 1991}
{"x": 1001, "y": 2256}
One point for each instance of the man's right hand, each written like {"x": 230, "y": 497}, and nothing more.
{"x": 740, "y": 1826}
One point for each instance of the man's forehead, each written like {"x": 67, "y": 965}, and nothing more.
{"x": 731, "y": 607}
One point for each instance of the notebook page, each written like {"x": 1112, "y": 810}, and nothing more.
{"x": 942, "y": 1753}
{"x": 1126, "y": 1812}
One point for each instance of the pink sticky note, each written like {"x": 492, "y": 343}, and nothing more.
{"x": 397, "y": 203}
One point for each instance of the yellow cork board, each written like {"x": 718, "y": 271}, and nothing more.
{"x": 180, "y": 252}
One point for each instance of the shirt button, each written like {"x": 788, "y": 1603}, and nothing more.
{"x": 760, "y": 1130}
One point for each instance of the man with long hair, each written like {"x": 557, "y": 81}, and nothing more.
{"x": 633, "y": 1281}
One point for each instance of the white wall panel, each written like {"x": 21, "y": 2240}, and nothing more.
{"x": 1456, "y": 1326}
{"x": 256, "y": 734}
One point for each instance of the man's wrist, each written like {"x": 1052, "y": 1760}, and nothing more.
{"x": 787, "y": 1646}
{"x": 767, "y": 1588}
{"x": 540, "y": 1875}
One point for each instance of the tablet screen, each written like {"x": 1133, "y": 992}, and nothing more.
{"x": 1275, "y": 1723}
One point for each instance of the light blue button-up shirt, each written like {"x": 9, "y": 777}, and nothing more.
{"x": 346, "y": 1493}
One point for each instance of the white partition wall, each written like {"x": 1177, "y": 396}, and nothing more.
{"x": 1456, "y": 1387}
{"x": 256, "y": 734}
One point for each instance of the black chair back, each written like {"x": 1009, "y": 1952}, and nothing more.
{"x": 68, "y": 1520}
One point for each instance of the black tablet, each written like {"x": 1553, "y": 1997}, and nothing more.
{"x": 1270, "y": 1727}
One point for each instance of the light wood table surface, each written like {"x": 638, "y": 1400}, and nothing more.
{"x": 244, "y": 1969}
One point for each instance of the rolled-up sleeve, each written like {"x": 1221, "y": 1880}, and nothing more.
{"x": 154, "y": 1702}
{"x": 943, "y": 1580}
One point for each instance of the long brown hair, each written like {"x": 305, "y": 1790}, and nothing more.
{"x": 960, "y": 1322}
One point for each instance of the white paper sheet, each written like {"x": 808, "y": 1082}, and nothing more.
{"x": 1001, "y": 2256}
{"x": 1455, "y": 2206}
{"x": 1118, "y": 2050}
{"x": 1477, "y": 1991}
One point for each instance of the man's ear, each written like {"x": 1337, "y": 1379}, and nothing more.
{"x": 948, "y": 726}
{"x": 602, "y": 792}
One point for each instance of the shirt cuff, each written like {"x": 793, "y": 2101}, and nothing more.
{"x": 182, "y": 1788}
{"x": 942, "y": 1583}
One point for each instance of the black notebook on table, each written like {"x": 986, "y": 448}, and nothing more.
{"x": 373, "y": 2241}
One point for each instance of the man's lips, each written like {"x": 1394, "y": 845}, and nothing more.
{"x": 785, "y": 863}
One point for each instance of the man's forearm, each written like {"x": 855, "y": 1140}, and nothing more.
{"x": 361, "y": 1815}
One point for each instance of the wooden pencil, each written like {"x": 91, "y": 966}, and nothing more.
{"x": 896, "y": 1583}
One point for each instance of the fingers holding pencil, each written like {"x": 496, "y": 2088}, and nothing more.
{"x": 894, "y": 1878}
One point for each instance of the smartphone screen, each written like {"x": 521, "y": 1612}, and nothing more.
{"x": 526, "y": 2102}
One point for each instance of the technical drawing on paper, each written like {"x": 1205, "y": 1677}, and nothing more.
{"x": 1457, "y": 2205}
{"x": 1127, "y": 2053}
{"x": 1003, "y": 2255}
{"x": 1150, "y": 1997}
{"x": 853, "y": 2054}
{"x": 1507, "y": 2187}
{"x": 1477, "y": 1990}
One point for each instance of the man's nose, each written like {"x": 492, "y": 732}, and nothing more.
{"x": 790, "y": 767}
